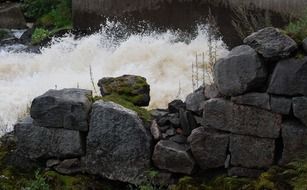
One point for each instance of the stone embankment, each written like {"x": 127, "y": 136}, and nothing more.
{"x": 253, "y": 117}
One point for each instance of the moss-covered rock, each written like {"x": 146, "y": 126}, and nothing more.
{"x": 142, "y": 112}
{"x": 129, "y": 87}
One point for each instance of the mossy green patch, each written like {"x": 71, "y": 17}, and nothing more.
{"x": 131, "y": 88}
{"x": 297, "y": 29}
{"x": 142, "y": 112}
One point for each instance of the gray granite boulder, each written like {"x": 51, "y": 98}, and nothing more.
{"x": 289, "y": 78}
{"x": 260, "y": 100}
{"x": 40, "y": 142}
{"x": 209, "y": 147}
{"x": 66, "y": 108}
{"x": 194, "y": 101}
{"x": 241, "y": 71}
{"x": 251, "y": 152}
{"x": 118, "y": 145}
{"x": 173, "y": 157}
{"x": 300, "y": 108}
{"x": 294, "y": 136}
{"x": 271, "y": 43}
{"x": 224, "y": 115}
{"x": 281, "y": 104}
{"x": 132, "y": 88}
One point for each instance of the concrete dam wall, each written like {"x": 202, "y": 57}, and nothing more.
{"x": 89, "y": 13}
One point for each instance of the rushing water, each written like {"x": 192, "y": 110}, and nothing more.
{"x": 163, "y": 58}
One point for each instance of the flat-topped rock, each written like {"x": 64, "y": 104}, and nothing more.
{"x": 39, "y": 142}
{"x": 130, "y": 87}
{"x": 251, "y": 152}
{"x": 209, "y": 147}
{"x": 173, "y": 157}
{"x": 66, "y": 108}
{"x": 271, "y": 43}
{"x": 118, "y": 145}
{"x": 289, "y": 78}
{"x": 260, "y": 100}
{"x": 224, "y": 115}
{"x": 239, "y": 72}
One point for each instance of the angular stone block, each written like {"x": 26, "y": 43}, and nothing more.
{"x": 66, "y": 108}
{"x": 281, "y": 105}
{"x": 241, "y": 71}
{"x": 289, "y": 78}
{"x": 173, "y": 157}
{"x": 271, "y": 43}
{"x": 294, "y": 136}
{"x": 260, "y": 100}
{"x": 40, "y": 142}
{"x": 224, "y": 115}
{"x": 251, "y": 152}
{"x": 209, "y": 147}
{"x": 118, "y": 144}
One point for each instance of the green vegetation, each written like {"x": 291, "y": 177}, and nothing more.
{"x": 50, "y": 16}
{"x": 39, "y": 35}
{"x": 293, "y": 176}
{"x": 118, "y": 99}
{"x": 298, "y": 29}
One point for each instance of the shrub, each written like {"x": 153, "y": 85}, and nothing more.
{"x": 297, "y": 29}
{"x": 39, "y": 35}
{"x": 39, "y": 183}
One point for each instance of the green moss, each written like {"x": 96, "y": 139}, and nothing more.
{"x": 297, "y": 29}
{"x": 142, "y": 112}
{"x": 39, "y": 35}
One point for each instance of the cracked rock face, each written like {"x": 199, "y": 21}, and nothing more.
{"x": 118, "y": 145}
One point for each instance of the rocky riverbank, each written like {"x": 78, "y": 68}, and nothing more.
{"x": 252, "y": 119}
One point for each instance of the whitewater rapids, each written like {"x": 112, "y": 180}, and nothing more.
{"x": 160, "y": 57}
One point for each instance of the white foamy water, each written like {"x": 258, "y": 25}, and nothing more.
{"x": 159, "y": 57}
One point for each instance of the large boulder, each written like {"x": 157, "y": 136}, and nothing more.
{"x": 211, "y": 91}
{"x": 280, "y": 104}
{"x": 251, "y": 152}
{"x": 209, "y": 147}
{"x": 11, "y": 16}
{"x": 294, "y": 136}
{"x": 241, "y": 71}
{"x": 39, "y": 142}
{"x": 130, "y": 87}
{"x": 300, "y": 108}
{"x": 260, "y": 100}
{"x": 271, "y": 43}
{"x": 118, "y": 145}
{"x": 289, "y": 78}
{"x": 173, "y": 157}
{"x": 224, "y": 115}
{"x": 67, "y": 108}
